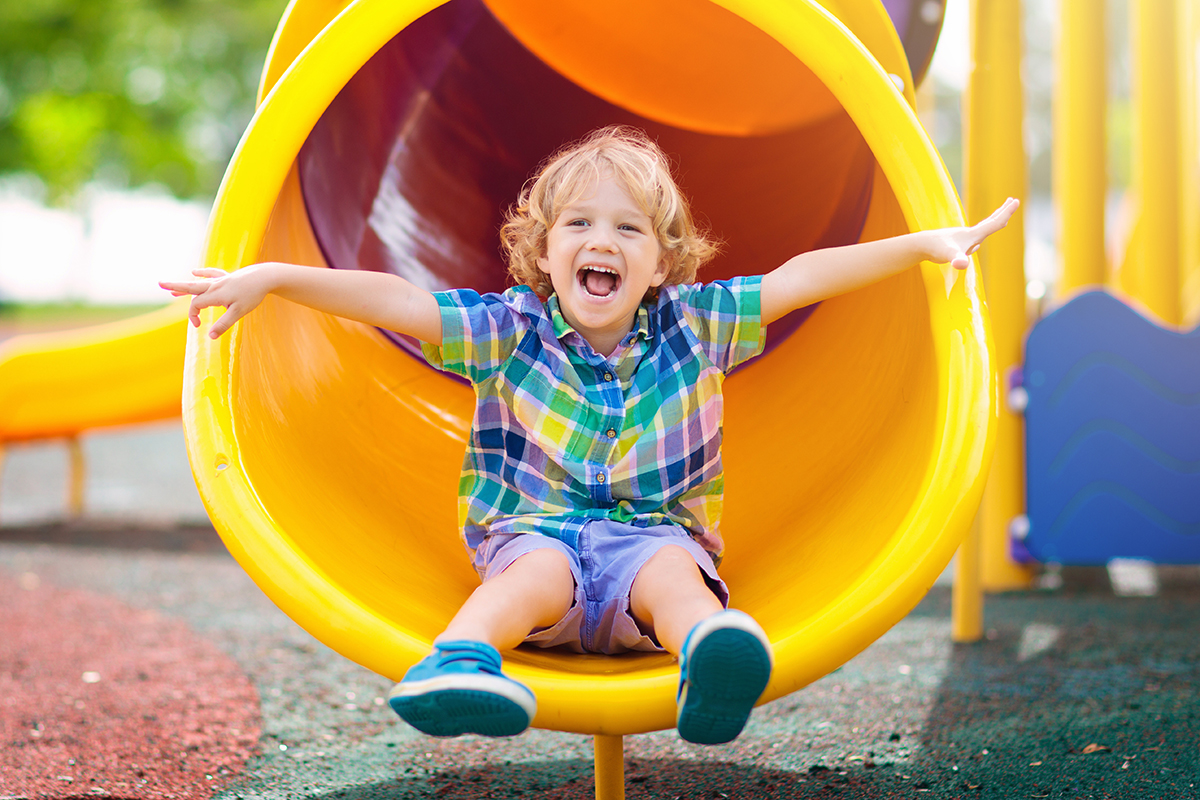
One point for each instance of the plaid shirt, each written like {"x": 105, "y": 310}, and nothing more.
{"x": 562, "y": 435}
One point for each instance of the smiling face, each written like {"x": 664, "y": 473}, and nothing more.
{"x": 602, "y": 255}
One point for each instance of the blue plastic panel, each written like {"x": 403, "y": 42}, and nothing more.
{"x": 1112, "y": 435}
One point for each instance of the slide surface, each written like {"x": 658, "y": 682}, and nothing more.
{"x": 392, "y": 133}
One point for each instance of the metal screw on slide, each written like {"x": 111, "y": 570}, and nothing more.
{"x": 1018, "y": 527}
{"x": 1018, "y": 399}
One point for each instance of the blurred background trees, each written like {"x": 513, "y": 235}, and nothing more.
{"x": 135, "y": 92}
{"x": 101, "y": 96}
{"x": 128, "y": 92}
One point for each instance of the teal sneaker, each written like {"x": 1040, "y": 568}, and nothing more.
{"x": 459, "y": 689}
{"x": 723, "y": 670}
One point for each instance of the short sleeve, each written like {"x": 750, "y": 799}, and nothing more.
{"x": 726, "y": 317}
{"x": 479, "y": 333}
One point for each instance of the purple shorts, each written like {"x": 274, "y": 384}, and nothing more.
{"x": 608, "y": 558}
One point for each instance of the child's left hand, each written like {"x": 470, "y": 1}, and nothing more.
{"x": 954, "y": 246}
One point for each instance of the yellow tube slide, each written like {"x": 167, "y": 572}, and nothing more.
{"x": 59, "y": 384}
{"x": 391, "y": 136}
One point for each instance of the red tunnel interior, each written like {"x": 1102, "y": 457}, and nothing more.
{"x": 411, "y": 168}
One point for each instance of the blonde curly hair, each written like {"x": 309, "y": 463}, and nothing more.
{"x": 642, "y": 168}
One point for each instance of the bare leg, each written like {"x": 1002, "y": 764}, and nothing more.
{"x": 670, "y": 596}
{"x": 535, "y": 591}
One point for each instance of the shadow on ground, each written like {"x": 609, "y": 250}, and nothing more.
{"x": 645, "y": 779}
{"x": 118, "y": 534}
{"x": 1075, "y": 693}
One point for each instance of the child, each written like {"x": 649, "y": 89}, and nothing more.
{"x": 591, "y": 492}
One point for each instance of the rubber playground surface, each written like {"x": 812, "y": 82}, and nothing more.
{"x": 134, "y": 671}
{"x": 138, "y": 661}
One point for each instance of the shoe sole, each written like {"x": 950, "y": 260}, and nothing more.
{"x": 455, "y": 705}
{"x": 727, "y": 673}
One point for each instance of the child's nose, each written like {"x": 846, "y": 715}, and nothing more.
{"x": 602, "y": 239}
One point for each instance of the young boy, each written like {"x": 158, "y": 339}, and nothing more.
{"x": 591, "y": 491}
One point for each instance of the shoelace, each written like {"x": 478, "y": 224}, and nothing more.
{"x": 451, "y": 655}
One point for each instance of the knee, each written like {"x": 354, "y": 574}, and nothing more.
{"x": 545, "y": 566}
{"x": 674, "y": 569}
{"x": 544, "y": 559}
{"x": 673, "y": 559}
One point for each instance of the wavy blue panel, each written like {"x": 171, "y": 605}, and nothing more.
{"x": 1112, "y": 436}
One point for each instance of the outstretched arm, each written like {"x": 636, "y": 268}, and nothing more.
{"x": 821, "y": 274}
{"x": 375, "y": 298}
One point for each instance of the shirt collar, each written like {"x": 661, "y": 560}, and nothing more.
{"x": 641, "y": 321}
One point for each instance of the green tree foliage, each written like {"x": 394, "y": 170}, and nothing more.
{"x": 128, "y": 91}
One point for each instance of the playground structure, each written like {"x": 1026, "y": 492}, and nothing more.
{"x": 59, "y": 385}
{"x": 371, "y": 563}
{"x": 293, "y": 401}
{"x": 1156, "y": 272}
{"x": 1112, "y": 430}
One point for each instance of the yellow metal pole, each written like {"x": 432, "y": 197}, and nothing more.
{"x": 927, "y": 107}
{"x": 610, "y": 767}
{"x": 966, "y": 610}
{"x": 1189, "y": 159}
{"x": 1152, "y": 274}
{"x": 995, "y": 169}
{"x": 1080, "y": 175}
{"x": 77, "y": 478}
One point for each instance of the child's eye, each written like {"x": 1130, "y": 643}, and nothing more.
{"x": 633, "y": 228}
{"x": 577, "y": 223}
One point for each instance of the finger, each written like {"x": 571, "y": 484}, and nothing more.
{"x": 194, "y": 313}
{"x": 231, "y": 315}
{"x": 1004, "y": 213}
{"x": 179, "y": 289}
{"x": 996, "y": 221}
{"x": 960, "y": 261}
{"x": 208, "y": 299}
{"x": 209, "y": 272}
{"x": 187, "y": 287}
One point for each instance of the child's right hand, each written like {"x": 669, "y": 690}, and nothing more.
{"x": 238, "y": 292}
{"x": 955, "y": 246}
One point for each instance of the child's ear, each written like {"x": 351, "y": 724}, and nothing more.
{"x": 543, "y": 264}
{"x": 661, "y": 271}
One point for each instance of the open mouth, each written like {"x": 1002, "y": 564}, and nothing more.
{"x": 599, "y": 281}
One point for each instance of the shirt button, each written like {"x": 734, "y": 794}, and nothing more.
{"x": 600, "y": 478}
{"x": 610, "y": 433}
{"x": 608, "y": 376}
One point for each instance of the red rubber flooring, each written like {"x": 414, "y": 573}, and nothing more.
{"x": 100, "y": 699}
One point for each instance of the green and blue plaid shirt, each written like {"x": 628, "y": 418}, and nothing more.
{"x": 562, "y": 435}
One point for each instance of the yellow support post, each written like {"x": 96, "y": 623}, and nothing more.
{"x": 966, "y": 611}
{"x": 610, "y": 767}
{"x": 995, "y": 169}
{"x": 927, "y": 107}
{"x": 1080, "y": 173}
{"x": 1189, "y": 159}
{"x": 77, "y": 478}
{"x": 1152, "y": 273}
